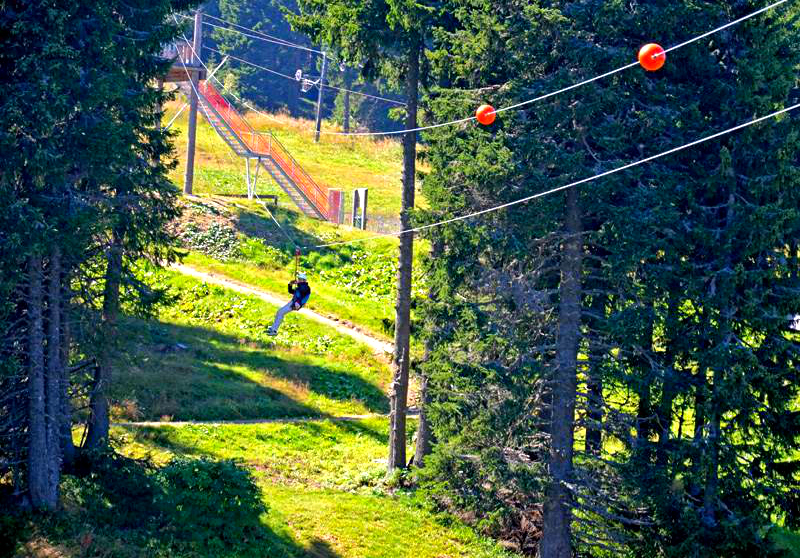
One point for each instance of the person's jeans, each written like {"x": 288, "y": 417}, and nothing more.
{"x": 281, "y": 314}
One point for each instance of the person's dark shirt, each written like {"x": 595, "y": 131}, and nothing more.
{"x": 301, "y": 292}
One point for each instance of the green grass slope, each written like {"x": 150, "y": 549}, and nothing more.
{"x": 355, "y": 282}
{"x": 344, "y": 163}
{"x": 208, "y": 357}
{"x": 308, "y": 489}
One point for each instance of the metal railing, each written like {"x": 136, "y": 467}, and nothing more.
{"x": 179, "y": 53}
{"x": 266, "y": 145}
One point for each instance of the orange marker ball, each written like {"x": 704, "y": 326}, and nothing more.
{"x": 652, "y": 57}
{"x": 485, "y": 114}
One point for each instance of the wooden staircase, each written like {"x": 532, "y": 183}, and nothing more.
{"x": 268, "y": 153}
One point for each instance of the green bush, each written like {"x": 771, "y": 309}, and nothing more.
{"x": 217, "y": 241}
{"x": 118, "y": 491}
{"x": 12, "y": 530}
{"x": 210, "y": 502}
{"x": 258, "y": 252}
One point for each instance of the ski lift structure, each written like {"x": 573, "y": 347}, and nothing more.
{"x": 306, "y": 84}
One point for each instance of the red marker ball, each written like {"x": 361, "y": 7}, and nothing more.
{"x": 485, "y": 114}
{"x": 652, "y": 57}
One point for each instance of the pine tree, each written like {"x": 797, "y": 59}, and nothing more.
{"x": 388, "y": 38}
{"x": 682, "y": 296}
{"x": 83, "y": 156}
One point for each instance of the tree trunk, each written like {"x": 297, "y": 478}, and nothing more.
{"x": 41, "y": 494}
{"x": 54, "y": 372}
{"x": 698, "y": 436}
{"x": 424, "y": 433}
{"x": 644, "y": 409}
{"x": 402, "y": 332}
{"x": 99, "y": 422}
{"x": 711, "y": 490}
{"x": 348, "y": 83}
{"x": 594, "y": 385}
{"x": 346, "y": 124}
{"x": 67, "y": 445}
{"x": 668, "y": 388}
{"x": 556, "y": 530}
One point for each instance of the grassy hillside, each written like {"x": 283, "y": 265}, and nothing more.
{"x": 295, "y": 489}
{"x": 210, "y": 357}
{"x": 238, "y": 239}
{"x": 335, "y": 162}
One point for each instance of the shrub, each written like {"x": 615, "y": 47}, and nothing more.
{"x": 12, "y": 530}
{"x": 115, "y": 490}
{"x": 217, "y": 241}
{"x": 210, "y": 502}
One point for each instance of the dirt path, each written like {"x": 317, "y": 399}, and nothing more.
{"x": 381, "y": 348}
{"x": 157, "y": 424}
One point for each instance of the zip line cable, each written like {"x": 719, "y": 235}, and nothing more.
{"x": 570, "y": 87}
{"x": 578, "y": 182}
{"x": 264, "y": 68}
{"x": 180, "y": 111}
{"x": 571, "y": 184}
{"x": 252, "y": 33}
{"x": 401, "y": 103}
{"x": 280, "y": 227}
{"x": 628, "y": 66}
{"x": 262, "y": 34}
{"x": 264, "y": 204}
{"x": 552, "y": 93}
{"x": 234, "y": 95}
{"x": 224, "y": 87}
{"x": 293, "y": 78}
{"x": 196, "y": 92}
{"x": 276, "y": 40}
{"x": 256, "y": 37}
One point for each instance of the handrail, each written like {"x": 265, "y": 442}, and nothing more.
{"x": 267, "y": 145}
{"x": 319, "y": 193}
{"x": 181, "y": 52}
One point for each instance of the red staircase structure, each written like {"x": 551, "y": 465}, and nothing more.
{"x": 263, "y": 147}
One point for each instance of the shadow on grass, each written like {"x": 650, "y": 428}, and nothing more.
{"x": 125, "y": 508}
{"x": 261, "y": 226}
{"x": 193, "y": 373}
{"x": 169, "y": 439}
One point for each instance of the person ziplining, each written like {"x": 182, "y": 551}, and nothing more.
{"x": 300, "y": 292}
{"x": 298, "y": 288}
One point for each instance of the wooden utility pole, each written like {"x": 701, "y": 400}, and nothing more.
{"x": 319, "y": 97}
{"x": 348, "y": 83}
{"x": 193, "y": 101}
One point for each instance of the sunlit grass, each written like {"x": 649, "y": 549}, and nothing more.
{"x": 255, "y": 269}
{"x": 209, "y": 358}
{"x": 304, "y": 469}
{"x": 338, "y": 162}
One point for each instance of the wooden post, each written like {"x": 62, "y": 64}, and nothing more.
{"x": 249, "y": 183}
{"x": 319, "y": 97}
{"x": 188, "y": 181}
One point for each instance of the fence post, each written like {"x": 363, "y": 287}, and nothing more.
{"x": 360, "y": 208}
{"x": 335, "y": 206}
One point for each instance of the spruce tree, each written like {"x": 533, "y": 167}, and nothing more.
{"x": 385, "y": 38}
{"x": 83, "y": 156}
{"x": 684, "y": 287}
